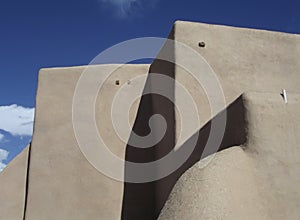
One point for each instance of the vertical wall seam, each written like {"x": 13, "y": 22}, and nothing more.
{"x": 27, "y": 182}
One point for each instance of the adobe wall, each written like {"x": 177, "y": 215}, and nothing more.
{"x": 257, "y": 180}
{"x": 242, "y": 59}
{"x": 13, "y": 183}
{"x": 62, "y": 183}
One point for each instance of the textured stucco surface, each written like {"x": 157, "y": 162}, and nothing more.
{"x": 242, "y": 59}
{"x": 62, "y": 183}
{"x": 236, "y": 184}
{"x": 259, "y": 180}
{"x": 13, "y": 187}
{"x": 256, "y": 180}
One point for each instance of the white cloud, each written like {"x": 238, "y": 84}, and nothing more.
{"x": 125, "y": 8}
{"x": 17, "y": 120}
{"x": 2, "y": 166}
{"x": 3, "y": 156}
{"x": 1, "y": 137}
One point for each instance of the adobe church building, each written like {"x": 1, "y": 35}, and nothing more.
{"x": 252, "y": 173}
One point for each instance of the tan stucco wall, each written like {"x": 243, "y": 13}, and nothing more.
{"x": 258, "y": 180}
{"x": 13, "y": 187}
{"x": 63, "y": 184}
{"x": 242, "y": 59}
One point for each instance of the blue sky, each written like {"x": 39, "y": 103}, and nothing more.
{"x": 36, "y": 34}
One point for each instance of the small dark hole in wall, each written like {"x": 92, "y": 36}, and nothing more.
{"x": 117, "y": 82}
{"x": 201, "y": 44}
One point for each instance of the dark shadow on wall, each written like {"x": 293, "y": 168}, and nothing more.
{"x": 234, "y": 135}
{"x": 27, "y": 182}
{"x": 145, "y": 200}
{"x": 139, "y": 199}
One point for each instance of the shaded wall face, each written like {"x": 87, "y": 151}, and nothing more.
{"x": 256, "y": 180}
{"x": 142, "y": 200}
{"x": 242, "y": 60}
{"x": 145, "y": 200}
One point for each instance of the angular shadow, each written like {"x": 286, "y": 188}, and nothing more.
{"x": 139, "y": 199}
{"x": 145, "y": 200}
{"x": 234, "y": 135}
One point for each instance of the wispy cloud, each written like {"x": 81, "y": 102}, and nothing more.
{"x": 3, "y": 156}
{"x": 128, "y": 8}
{"x": 16, "y": 120}
{"x": 1, "y": 137}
